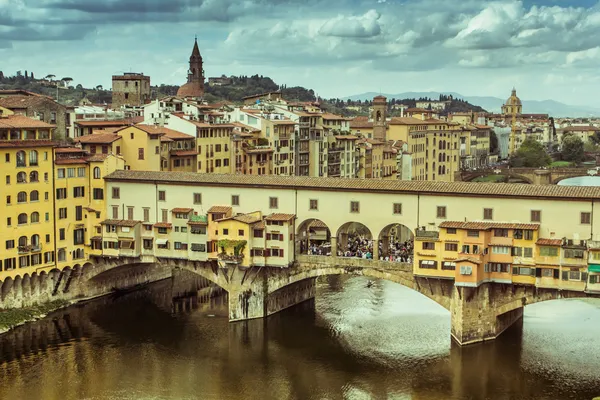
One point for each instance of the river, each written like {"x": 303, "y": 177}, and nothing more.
{"x": 351, "y": 342}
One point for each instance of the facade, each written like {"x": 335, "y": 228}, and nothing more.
{"x": 130, "y": 89}
{"x": 513, "y": 105}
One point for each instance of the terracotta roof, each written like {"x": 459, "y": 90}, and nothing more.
{"x": 577, "y": 128}
{"x": 487, "y": 225}
{"x": 66, "y": 161}
{"x": 469, "y": 259}
{"x": 21, "y": 121}
{"x": 412, "y": 121}
{"x": 333, "y": 117}
{"x": 182, "y": 210}
{"x": 197, "y": 222}
{"x": 346, "y": 137}
{"x": 97, "y": 157}
{"x": 163, "y": 225}
{"x": 27, "y": 143}
{"x": 161, "y": 130}
{"x": 219, "y": 209}
{"x": 244, "y": 126}
{"x": 280, "y": 217}
{"x": 489, "y": 190}
{"x": 282, "y": 121}
{"x": 61, "y": 150}
{"x": 245, "y": 218}
{"x": 22, "y": 101}
{"x": 549, "y": 242}
{"x": 183, "y": 153}
{"x": 120, "y": 222}
{"x": 114, "y": 122}
{"x": 98, "y": 138}
{"x": 360, "y": 123}
{"x": 318, "y": 224}
{"x": 191, "y": 89}
{"x": 165, "y": 139}
{"x": 259, "y": 225}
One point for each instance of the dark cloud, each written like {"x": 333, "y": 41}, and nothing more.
{"x": 120, "y": 6}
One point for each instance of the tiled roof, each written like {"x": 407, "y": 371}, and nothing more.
{"x": 61, "y": 150}
{"x": 165, "y": 139}
{"x": 346, "y": 137}
{"x": 282, "y": 122}
{"x": 280, "y": 217}
{"x": 182, "y": 210}
{"x": 98, "y": 138}
{"x": 120, "y": 222}
{"x": 333, "y": 117}
{"x": 487, "y": 225}
{"x": 161, "y": 130}
{"x": 97, "y": 157}
{"x": 21, "y": 101}
{"x": 245, "y": 218}
{"x": 259, "y": 225}
{"x": 163, "y": 225}
{"x": 114, "y": 122}
{"x": 27, "y": 143}
{"x": 577, "y": 128}
{"x": 549, "y": 242}
{"x": 412, "y": 121}
{"x": 197, "y": 222}
{"x": 21, "y": 121}
{"x": 469, "y": 259}
{"x": 219, "y": 209}
{"x": 67, "y": 161}
{"x": 318, "y": 224}
{"x": 489, "y": 190}
{"x": 358, "y": 123}
{"x": 183, "y": 153}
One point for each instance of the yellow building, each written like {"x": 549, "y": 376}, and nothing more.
{"x": 213, "y": 142}
{"x": 28, "y": 226}
{"x": 370, "y": 158}
{"x": 140, "y": 145}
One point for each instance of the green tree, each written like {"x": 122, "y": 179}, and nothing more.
{"x": 572, "y": 149}
{"x": 531, "y": 154}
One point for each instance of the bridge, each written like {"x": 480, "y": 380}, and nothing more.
{"x": 259, "y": 289}
{"x": 537, "y": 176}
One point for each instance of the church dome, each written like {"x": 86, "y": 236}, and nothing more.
{"x": 191, "y": 89}
{"x": 513, "y": 100}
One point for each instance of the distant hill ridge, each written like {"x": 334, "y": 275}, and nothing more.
{"x": 494, "y": 104}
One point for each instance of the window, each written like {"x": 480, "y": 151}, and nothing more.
{"x": 501, "y": 232}
{"x": 549, "y": 251}
{"x": 162, "y": 195}
{"x": 34, "y": 176}
{"x": 451, "y": 231}
{"x": 536, "y": 216}
{"x": 199, "y": 247}
{"x": 472, "y": 233}
{"x": 225, "y": 231}
{"x": 8, "y": 179}
{"x": 273, "y": 202}
{"x": 35, "y": 217}
{"x": 62, "y": 213}
{"x": 97, "y": 173}
{"x": 115, "y": 212}
{"x": 146, "y": 214}
{"x": 573, "y": 253}
{"x": 527, "y": 252}
{"x": 487, "y": 213}
{"x": 428, "y": 264}
{"x": 33, "y": 158}
{"x": 7, "y": 157}
{"x": 197, "y": 198}
{"x": 61, "y": 194}
{"x": 586, "y": 218}
{"x": 235, "y": 200}
{"x": 448, "y": 266}
{"x": 22, "y": 197}
{"x": 354, "y": 206}
{"x": 258, "y": 233}
{"x": 397, "y": 208}
{"x": 79, "y": 191}
{"x": 78, "y": 213}
{"x": 81, "y": 172}
{"x": 70, "y": 172}
{"x": 9, "y": 222}
{"x": 22, "y": 219}
{"x": 116, "y": 193}
{"x": 165, "y": 215}
{"x": 517, "y": 252}
{"x": 21, "y": 159}
{"x": 78, "y": 236}
{"x": 34, "y": 196}
{"x": 451, "y": 247}
{"x": 156, "y": 150}
{"x": 313, "y": 204}
{"x": 428, "y": 245}
{"x": 240, "y": 232}
{"x": 500, "y": 250}
{"x": 441, "y": 211}
{"x": 198, "y": 230}
{"x": 10, "y": 244}
{"x": 140, "y": 153}
{"x": 47, "y": 238}
{"x": 21, "y": 177}
{"x": 130, "y": 213}
{"x": 60, "y": 173}
{"x": 98, "y": 194}
{"x": 528, "y": 234}
{"x": 62, "y": 255}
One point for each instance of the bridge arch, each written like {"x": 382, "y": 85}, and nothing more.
{"x": 7, "y": 285}
{"x": 354, "y": 239}
{"x": 562, "y": 178}
{"x": 26, "y": 285}
{"x": 313, "y": 236}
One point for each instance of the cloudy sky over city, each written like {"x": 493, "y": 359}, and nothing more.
{"x": 546, "y": 48}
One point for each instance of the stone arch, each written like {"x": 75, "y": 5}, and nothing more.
{"x": 35, "y": 284}
{"x": 392, "y": 239}
{"x": 7, "y": 285}
{"x": 356, "y": 238}
{"x": 43, "y": 281}
{"x": 441, "y": 294}
{"x": 26, "y": 285}
{"x": 313, "y": 235}
{"x": 562, "y": 178}
{"x": 17, "y": 287}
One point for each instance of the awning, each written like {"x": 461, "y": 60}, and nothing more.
{"x": 594, "y": 268}
{"x": 161, "y": 241}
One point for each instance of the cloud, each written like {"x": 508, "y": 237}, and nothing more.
{"x": 364, "y": 26}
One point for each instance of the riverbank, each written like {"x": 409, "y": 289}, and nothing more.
{"x": 12, "y": 318}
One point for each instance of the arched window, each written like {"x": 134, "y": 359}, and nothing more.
{"x": 21, "y": 177}
{"x": 21, "y": 159}
{"x": 22, "y": 219}
{"x": 378, "y": 116}
{"x": 33, "y": 158}
{"x": 62, "y": 255}
{"x": 97, "y": 173}
{"x": 35, "y": 217}
{"x": 23, "y": 241}
{"x": 22, "y": 197}
{"x": 35, "y": 240}
{"x": 34, "y": 177}
{"x": 34, "y": 196}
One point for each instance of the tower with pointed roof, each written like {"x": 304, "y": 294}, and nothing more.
{"x": 195, "y": 81}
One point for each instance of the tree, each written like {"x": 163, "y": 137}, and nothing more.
{"x": 531, "y": 154}
{"x": 572, "y": 149}
{"x": 67, "y": 80}
{"x": 99, "y": 87}
{"x": 50, "y": 76}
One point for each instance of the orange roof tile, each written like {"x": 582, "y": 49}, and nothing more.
{"x": 66, "y": 161}
{"x": 219, "y": 209}
{"x": 27, "y": 143}
{"x": 184, "y": 153}
{"x": 182, "y": 210}
{"x": 120, "y": 222}
{"x": 469, "y": 259}
{"x": 549, "y": 242}
{"x": 23, "y": 122}
{"x": 280, "y": 217}
{"x": 487, "y": 225}
{"x": 98, "y": 138}
{"x": 104, "y": 122}
{"x": 163, "y": 225}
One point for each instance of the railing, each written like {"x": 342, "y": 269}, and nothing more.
{"x": 353, "y": 262}
{"x": 231, "y": 258}
{"x": 29, "y": 248}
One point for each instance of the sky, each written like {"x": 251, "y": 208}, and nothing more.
{"x": 547, "y": 49}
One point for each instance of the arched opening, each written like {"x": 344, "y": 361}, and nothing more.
{"x": 22, "y": 197}
{"x": 354, "y": 240}
{"x": 21, "y": 159}
{"x": 35, "y": 283}
{"x": 34, "y": 176}
{"x": 33, "y": 158}
{"x": 35, "y": 240}
{"x": 35, "y": 217}
{"x": 396, "y": 243}
{"x": 21, "y": 177}
{"x": 97, "y": 174}
{"x": 378, "y": 116}
{"x": 17, "y": 289}
{"x": 22, "y": 219}
{"x": 6, "y": 287}
{"x": 23, "y": 241}
{"x": 26, "y": 285}
{"x": 313, "y": 238}
{"x": 34, "y": 195}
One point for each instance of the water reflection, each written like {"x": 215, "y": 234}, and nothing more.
{"x": 353, "y": 342}
{"x": 581, "y": 181}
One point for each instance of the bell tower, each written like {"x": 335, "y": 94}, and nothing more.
{"x": 196, "y": 71}
{"x": 379, "y": 117}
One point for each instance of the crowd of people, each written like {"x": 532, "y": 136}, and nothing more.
{"x": 359, "y": 246}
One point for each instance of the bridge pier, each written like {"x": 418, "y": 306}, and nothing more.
{"x": 542, "y": 177}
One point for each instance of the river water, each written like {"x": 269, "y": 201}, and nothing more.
{"x": 351, "y": 342}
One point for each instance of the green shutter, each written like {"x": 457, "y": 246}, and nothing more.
{"x": 594, "y": 268}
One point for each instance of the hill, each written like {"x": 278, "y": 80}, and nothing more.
{"x": 493, "y": 104}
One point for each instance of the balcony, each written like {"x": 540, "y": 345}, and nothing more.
{"x": 230, "y": 258}
{"x": 425, "y": 234}
{"x": 31, "y": 248}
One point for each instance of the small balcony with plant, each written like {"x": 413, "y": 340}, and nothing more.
{"x": 232, "y": 252}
